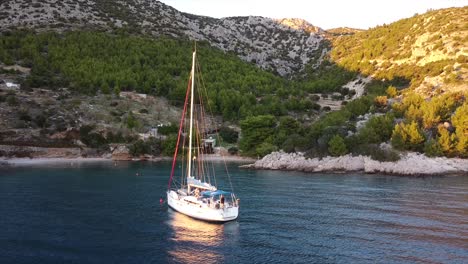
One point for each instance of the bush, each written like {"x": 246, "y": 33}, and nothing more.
{"x": 139, "y": 148}
{"x": 378, "y": 129}
{"x": 115, "y": 137}
{"x": 392, "y": 91}
{"x": 315, "y": 97}
{"x": 169, "y": 145}
{"x": 407, "y": 137}
{"x": 92, "y": 139}
{"x": 337, "y": 97}
{"x": 167, "y": 130}
{"x": 11, "y": 100}
{"x": 384, "y": 154}
{"x": 24, "y": 115}
{"x": 229, "y": 135}
{"x": 337, "y": 146}
{"x": 380, "y": 101}
{"x": 432, "y": 148}
{"x": 293, "y": 143}
{"x": 131, "y": 121}
{"x": 265, "y": 148}
{"x": 233, "y": 150}
{"x": 40, "y": 120}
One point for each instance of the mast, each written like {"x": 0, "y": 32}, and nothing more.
{"x": 189, "y": 173}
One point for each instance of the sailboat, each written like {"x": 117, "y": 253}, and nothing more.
{"x": 196, "y": 194}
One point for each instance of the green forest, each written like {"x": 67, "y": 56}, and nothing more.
{"x": 95, "y": 62}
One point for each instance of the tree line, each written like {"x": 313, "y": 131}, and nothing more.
{"x": 91, "y": 62}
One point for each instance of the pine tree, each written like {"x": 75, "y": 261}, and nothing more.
{"x": 399, "y": 137}
{"x": 407, "y": 137}
{"x": 446, "y": 140}
{"x": 460, "y": 122}
{"x": 416, "y": 137}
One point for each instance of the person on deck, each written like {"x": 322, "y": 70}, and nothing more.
{"x": 222, "y": 201}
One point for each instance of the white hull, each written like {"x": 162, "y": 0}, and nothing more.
{"x": 198, "y": 209}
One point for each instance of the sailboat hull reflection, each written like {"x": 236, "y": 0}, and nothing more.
{"x": 198, "y": 241}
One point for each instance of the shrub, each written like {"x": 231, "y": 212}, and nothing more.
{"x": 167, "y": 130}
{"x": 380, "y": 101}
{"x": 384, "y": 154}
{"x": 229, "y": 135}
{"x": 24, "y": 115}
{"x": 233, "y": 150}
{"x": 446, "y": 140}
{"x": 337, "y": 146}
{"x": 131, "y": 121}
{"x": 92, "y": 139}
{"x": 11, "y": 100}
{"x": 315, "y": 97}
{"x": 169, "y": 145}
{"x": 392, "y": 91}
{"x": 337, "y": 97}
{"x": 265, "y": 148}
{"x": 40, "y": 120}
{"x": 139, "y": 148}
{"x": 293, "y": 143}
{"x": 432, "y": 148}
{"x": 407, "y": 137}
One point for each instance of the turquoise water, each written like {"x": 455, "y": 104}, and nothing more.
{"x": 105, "y": 213}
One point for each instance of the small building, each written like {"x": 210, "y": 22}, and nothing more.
{"x": 208, "y": 145}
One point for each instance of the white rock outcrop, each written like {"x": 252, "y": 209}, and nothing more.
{"x": 409, "y": 164}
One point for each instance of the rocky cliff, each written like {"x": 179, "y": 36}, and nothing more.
{"x": 283, "y": 46}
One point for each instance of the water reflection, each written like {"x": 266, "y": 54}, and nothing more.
{"x": 196, "y": 241}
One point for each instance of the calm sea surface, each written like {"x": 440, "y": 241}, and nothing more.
{"x": 101, "y": 213}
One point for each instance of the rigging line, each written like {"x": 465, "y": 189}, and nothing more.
{"x": 202, "y": 89}
{"x": 211, "y": 119}
{"x": 209, "y": 125}
{"x": 217, "y": 134}
{"x": 178, "y": 135}
{"x": 201, "y": 134}
{"x": 197, "y": 143}
{"x": 200, "y": 127}
{"x": 200, "y": 150}
{"x": 205, "y": 135}
{"x": 184, "y": 172}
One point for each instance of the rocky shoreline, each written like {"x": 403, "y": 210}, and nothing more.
{"x": 23, "y": 155}
{"x": 409, "y": 164}
{"x": 49, "y": 159}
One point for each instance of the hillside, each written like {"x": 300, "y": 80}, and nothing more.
{"x": 283, "y": 46}
{"x": 415, "y": 100}
{"x": 395, "y": 88}
{"x": 428, "y": 51}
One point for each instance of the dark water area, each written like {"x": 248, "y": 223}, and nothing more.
{"x": 101, "y": 213}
